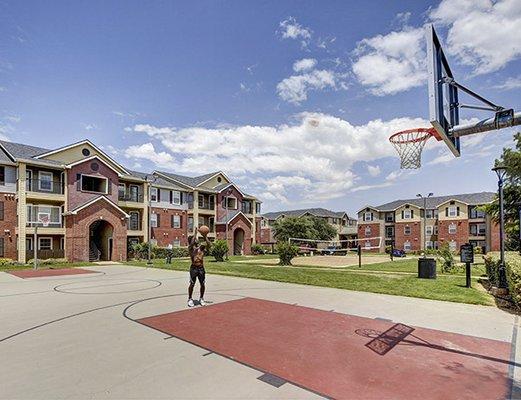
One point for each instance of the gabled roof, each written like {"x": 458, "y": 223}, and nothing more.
{"x": 317, "y": 212}
{"x": 95, "y": 157}
{"x": 231, "y": 217}
{"x": 434, "y": 202}
{"x": 19, "y": 150}
{"x": 190, "y": 181}
{"x": 95, "y": 200}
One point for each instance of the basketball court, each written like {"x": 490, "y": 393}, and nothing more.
{"x": 125, "y": 332}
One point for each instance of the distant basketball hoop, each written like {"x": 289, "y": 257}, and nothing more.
{"x": 44, "y": 219}
{"x": 409, "y": 145}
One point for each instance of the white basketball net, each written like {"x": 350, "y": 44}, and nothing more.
{"x": 409, "y": 145}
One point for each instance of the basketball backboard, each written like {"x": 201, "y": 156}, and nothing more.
{"x": 443, "y": 97}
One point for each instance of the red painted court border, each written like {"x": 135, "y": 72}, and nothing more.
{"x": 330, "y": 353}
{"x": 39, "y": 273}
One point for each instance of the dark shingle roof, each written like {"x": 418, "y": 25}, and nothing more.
{"x": 318, "y": 212}
{"x": 433, "y": 202}
{"x": 189, "y": 180}
{"x": 137, "y": 174}
{"x": 19, "y": 150}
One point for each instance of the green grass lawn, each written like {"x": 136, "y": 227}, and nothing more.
{"x": 446, "y": 287}
{"x": 45, "y": 266}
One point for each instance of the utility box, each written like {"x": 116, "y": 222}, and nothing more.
{"x": 427, "y": 268}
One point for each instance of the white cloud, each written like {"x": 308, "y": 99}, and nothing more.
{"x": 295, "y": 88}
{"x": 374, "y": 170}
{"x": 510, "y": 83}
{"x": 90, "y": 127}
{"x": 291, "y": 29}
{"x": 391, "y": 63}
{"x": 310, "y": 159}
{"x": 304, "y": 65}
{"x": 483, "y": 34}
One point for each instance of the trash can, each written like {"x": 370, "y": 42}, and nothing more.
{"x": 427, "y": 268}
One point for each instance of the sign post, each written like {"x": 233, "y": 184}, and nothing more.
{"x": 359, "y": 251}
{"x": 467, "y": 257}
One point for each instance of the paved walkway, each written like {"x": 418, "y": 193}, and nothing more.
{"x": 80, "y": 336}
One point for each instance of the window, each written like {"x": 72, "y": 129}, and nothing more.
{"x": 231, "y": 203}
{"x": 407, "y": 245}
{"x": 133, "y": 222}
{"x": 176, "y": 221}
{"x": 367, "y": 230}
{"x": 478, "y": 229}
{"x": 45, "y": 181}
{"x": 85, "y": 152}
{"x": 2, "y": 175}
{"x": 367, "y": 244}
{"x": 453, "y": 245}
{"x": 176, "y": 243}
{"x": 264, "y": 223}
{"x": 389, "y": 231}
{"x": 153, "y": 194}
{"x": 474, "y": 212}
{"x": 429, "y": 229}
{"x": 452, "y": 211}
{"x": 154, "y": 220}
{"x": 407, "y": 214}
{"x": 190, "y": 224}
{"x": 121, "y": 190}
{"x": 258, "y": 208}
{"x": 430, "y": 214}
{"x": 429, "y": 245}
{"x": 407, "y": 230}
{"x": 29, "y": 244}
{"x": 134, "y": 193}
{"x": 62, "y": 243}
{"x": 164, "y": 196}
{"x": 435, "y": 229}
{"x": 44, "y": 243}
{"x": 368, "y": 216}
{"x": 389, "y": 217}
{"x": 29, "y": 179}
{"x": 36, "y": 212}
{"x": 94, "y": 184}
{"x": 176, "y": 197}
{"x": 1, "y": 210}
{"x": 452, "y": 228}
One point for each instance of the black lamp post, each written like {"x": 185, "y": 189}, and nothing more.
{"x": 424, "y": 219}
{"x": 501, "y": 172}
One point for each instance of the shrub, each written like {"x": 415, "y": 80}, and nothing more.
{"x": 49, "y": 261}
{"x": 446, "y": 257}
{"x": 140, "y": 251}
{"x": 257, "y": 249}
{"x": 219, "y": 249}
{"x": 492, "y": 267}
{"x": 6, "y": 261}
{"x": 513, "y": 272}
{"x": 286, "y": 252}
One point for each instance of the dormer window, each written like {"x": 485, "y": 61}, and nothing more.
{"x": 219, "y": 179}
{"x": 368, "y": 216}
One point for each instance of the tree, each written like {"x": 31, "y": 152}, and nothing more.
{"x": 303, "y": 228}
{"x": 511, "y": 159}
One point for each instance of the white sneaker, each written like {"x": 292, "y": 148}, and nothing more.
{"x": 191, "y": 303}
{"x": 202, "y": 302}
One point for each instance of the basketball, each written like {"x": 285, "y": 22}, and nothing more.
{"x": 204, "y": 230}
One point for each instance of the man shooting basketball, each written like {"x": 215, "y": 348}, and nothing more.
{"x": 197, "y": 252}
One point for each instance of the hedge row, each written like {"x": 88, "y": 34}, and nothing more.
{"x": 513, "y": 272}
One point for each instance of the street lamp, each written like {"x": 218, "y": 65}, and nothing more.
{"x": 150, "y": 180}
{"x": 228, "y": 192}
{"x": 501, "y": 172}
{"x": 424, "y": 219}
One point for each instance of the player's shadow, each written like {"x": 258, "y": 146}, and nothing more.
{"x": 198, "y": 303}
{"x": 399, "y": 334}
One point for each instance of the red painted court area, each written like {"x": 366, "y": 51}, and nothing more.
{"x": 344, "y": 356}
{"x": 38, "y": 273}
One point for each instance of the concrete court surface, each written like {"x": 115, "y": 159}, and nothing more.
{"x": 82, "y": 337}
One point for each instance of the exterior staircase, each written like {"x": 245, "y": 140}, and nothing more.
{"x": 94, "y": 252}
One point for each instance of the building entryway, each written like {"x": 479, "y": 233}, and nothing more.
{"x": 100, "y": 241}
{"x": 238, "y": 241}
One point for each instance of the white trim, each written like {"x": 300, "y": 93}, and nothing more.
{"x": 69, "y": 166}
{"x": 6, "y": 152}
{"x": 83, "y": 142}
{"x": 235, "y": 216}
{"x": 40, "y": 173}
{"x": 89, "y": 203}
{"x": 173, "y": 197}
{"x": 459, "y": 201}
{"x": 214, "y": 175}
{"x": 236, "y": 188}
{"x": 40, "y": 242}
{"x": 157, "y": 197}
{"x": 30, "y": 239}
{"x": 98, "y": 177}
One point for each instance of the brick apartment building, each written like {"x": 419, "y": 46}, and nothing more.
{"x": 453, "y": 219}
{"x": 344, "y": 225}
{"x": 97, "y": 208}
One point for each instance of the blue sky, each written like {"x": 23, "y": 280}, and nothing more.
{"x": 294, "y": 100}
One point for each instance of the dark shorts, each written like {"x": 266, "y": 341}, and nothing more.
{"x": 197, "y": 273}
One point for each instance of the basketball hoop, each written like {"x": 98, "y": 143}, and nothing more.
{"x": 409, "y": 145}
{"x": 44, "y": 219}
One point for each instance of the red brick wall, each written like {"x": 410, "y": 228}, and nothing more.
{"x": 77, "y": 231}
{"x": 266, "y": 236}
{"x": 414, "y": 237}
{"x": 239, "y": 222}
{"x": 9, "y": 223}
{"x": 221, "y": 212}
{"x": 77, "y": 197}
{"x": 460, "y": 237}
{"x": 164, "y": 233}
{"x": 257, "y": 229}
{"x": 494, "y": 236}
{"x": 375, "y": 231}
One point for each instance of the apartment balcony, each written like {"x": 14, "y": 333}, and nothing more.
{"x": 42, "y": 189}
{"x": 348, "y": 230}
{"x": 133, "y": 197}
{"x": 203, "y": 205}
{"x": 44, "y": 254}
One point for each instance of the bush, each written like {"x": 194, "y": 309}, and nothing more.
{"x": 513, "y": 272}
{"x": 6, "y": 261}
{"x": 286, "y": 252}
{"x": 257, "y": 249}
{"x": 219, "y": 249}
{"x": 49, "y": 261}
{"x": 492, "y": 267}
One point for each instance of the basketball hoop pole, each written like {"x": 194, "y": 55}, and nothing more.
{"x": 486, "y": 125}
